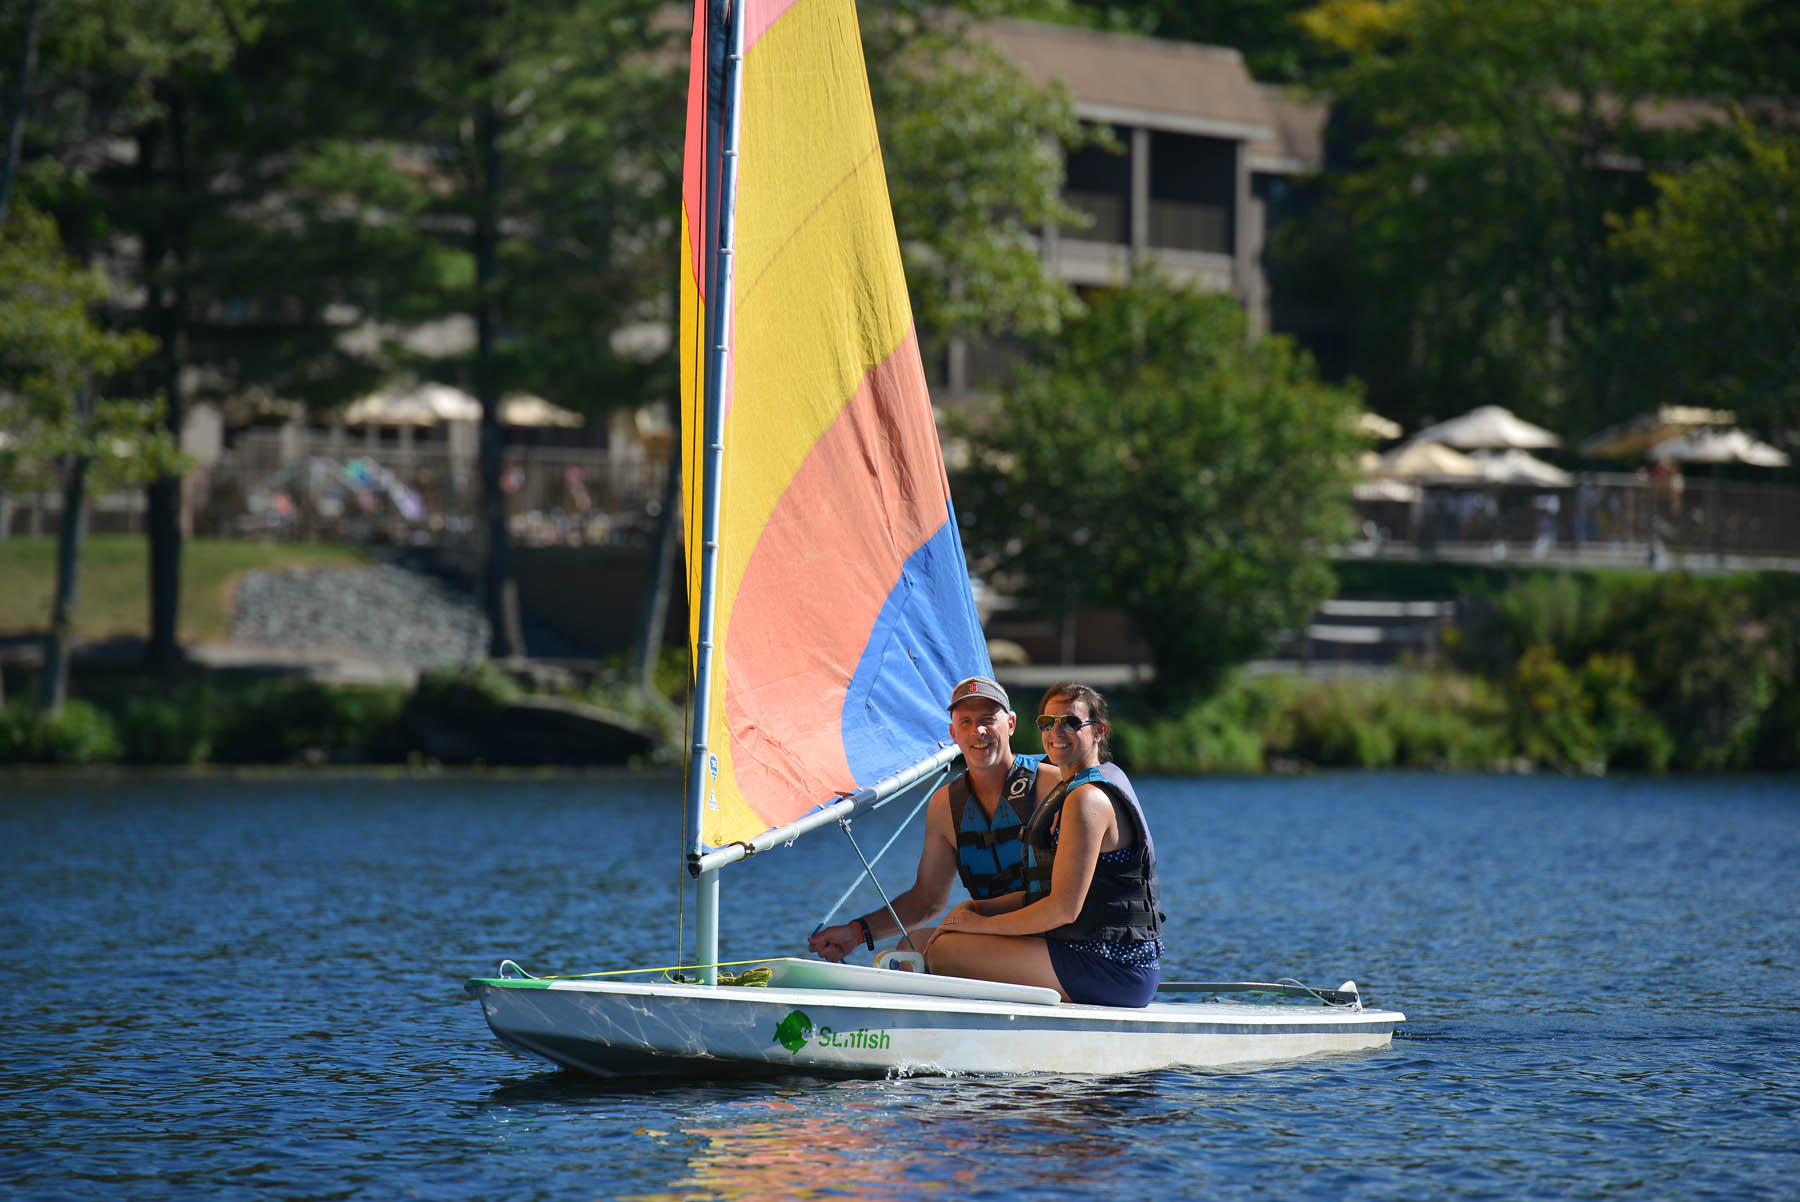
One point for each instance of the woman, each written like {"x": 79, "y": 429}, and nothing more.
{"x": 1087, "y": 924}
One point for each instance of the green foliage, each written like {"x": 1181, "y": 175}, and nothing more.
{"x": 283, "y": 720}
{"x": 1710, "y": 317}
{"x": 55, "y": 359}
{"x": 1473, "y": 227}
{"x": 171, "y": 727}
{"x": 1550, "y": 713}
{"x": 1706, "y": 667}
{"x": 478, "y": 687}
{"x": 1587, "y": 719}
{"x": 1218, "y": 735}
{"x": 1410, "y": 720}
{"x": 77, "y": 733}
{"x": 973, "y": 152}
{"x": 1651, "y": 671}
{"x": 1155, "y": 459}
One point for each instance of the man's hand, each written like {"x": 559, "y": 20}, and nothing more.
{"x": 834, "y": 943}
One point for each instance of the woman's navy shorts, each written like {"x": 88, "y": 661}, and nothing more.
{"x": 1092, "y": 979}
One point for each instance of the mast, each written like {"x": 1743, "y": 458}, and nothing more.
{"x": 703, "y": 763}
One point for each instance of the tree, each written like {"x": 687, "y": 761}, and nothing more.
{"x": 107, "y": 74}
{"x": 1494, "y": 144}
{"x": 516, "y": 163}
{"x": 55, "y": 363}
{"x": 1711, "y": 318}
{"x": 974, "y": 159}
{"x": 1157, "y": 460}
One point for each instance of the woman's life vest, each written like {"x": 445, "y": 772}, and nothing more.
{"x": 989, "y": 856}
{"x": 1121, "y": 904}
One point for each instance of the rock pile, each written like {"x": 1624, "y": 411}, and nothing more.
{"x": 381, "y": 613}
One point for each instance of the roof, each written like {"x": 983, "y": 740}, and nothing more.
{"x": 1298, "y": 142}
{"x": 1130, "y": 80}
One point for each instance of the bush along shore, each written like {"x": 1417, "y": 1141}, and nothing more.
{"x": 1571, "y": 672}
{"x": 461, "y": 715}
{"x": 1562, "y": 671}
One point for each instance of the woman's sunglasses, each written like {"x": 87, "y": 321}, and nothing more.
{"x": 1068, "y": 722}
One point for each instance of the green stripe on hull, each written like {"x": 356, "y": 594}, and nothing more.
{"x": 509, "y": 982}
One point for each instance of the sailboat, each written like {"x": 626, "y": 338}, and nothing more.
{"x": 833, "y": 615}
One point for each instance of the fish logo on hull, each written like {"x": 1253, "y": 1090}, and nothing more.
{"x": 793, "y": 1030}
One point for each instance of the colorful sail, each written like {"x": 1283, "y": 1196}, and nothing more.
{"x": 843, "y": 605}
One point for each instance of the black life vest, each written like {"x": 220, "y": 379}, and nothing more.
{"x": 989, "y": 856}
{"x": 1122, "y": 905}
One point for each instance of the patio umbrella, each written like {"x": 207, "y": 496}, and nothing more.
{"x": 1377, "y": 426}
{"x": 1427, "y": 460}
{"x": 1521, "y": 467}
{"x": 1719, "y": 446}
{"x": 1632, "y": 438}
{"x": 1489, "y": 428}
{"x": 414, "y": 405}
{"x": 523, "y": 409}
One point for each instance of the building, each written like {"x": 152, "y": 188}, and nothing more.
{"x": 1205, "y": 166}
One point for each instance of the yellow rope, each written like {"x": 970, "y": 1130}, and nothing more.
{"x": 626, "y": 972}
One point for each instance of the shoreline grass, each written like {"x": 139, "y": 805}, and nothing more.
{"x": 112, "y": 595}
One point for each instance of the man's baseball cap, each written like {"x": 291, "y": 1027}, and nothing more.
{"x": 979, "y": 686}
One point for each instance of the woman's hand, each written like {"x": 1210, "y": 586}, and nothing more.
{"x": 964, "y": 918}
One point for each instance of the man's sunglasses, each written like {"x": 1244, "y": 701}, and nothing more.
{"x": 1068, "y": 722}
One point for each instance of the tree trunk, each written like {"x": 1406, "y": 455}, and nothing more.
{"x": 500, "y": 590}
{"x": 653, "y": 616}
{"x": 169, "y": 313}
{"x": 53, "y": 688}
{"x": 15, "y": 106}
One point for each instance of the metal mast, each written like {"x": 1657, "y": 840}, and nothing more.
{"x": 703, "y": 764}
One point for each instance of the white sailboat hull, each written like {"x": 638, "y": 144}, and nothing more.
{"x": 612, "y": 1028}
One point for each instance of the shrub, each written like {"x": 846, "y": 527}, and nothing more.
{"x": 1705, "y": 667}
{"x": 1335, "y": 723}
{"x": 1447, "y": 722}
{"x": 174, "y": 728}
{"x": 282, "y": 720}
{"x": 79, "y": 733}
{"x": 1216, "y": 735}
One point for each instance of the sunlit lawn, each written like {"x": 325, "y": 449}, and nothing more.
{"x": 112, "y": 596}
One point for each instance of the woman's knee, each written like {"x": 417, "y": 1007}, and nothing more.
{"x": 945, "y": 954}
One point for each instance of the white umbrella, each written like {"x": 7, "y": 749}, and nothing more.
{"x": 1647, "y": 429}
{"x": 523, "y": 409}
{"x": 1521, "y": 467}
{"x": 1420, "y": 460}
{"x": 1489, "y": 428}
{"x": 1719, "y": 446}
{"x": 415, "y": 405}
{"x": 1377, "y": 426}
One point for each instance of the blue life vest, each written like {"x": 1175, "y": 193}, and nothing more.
{"x": 989, "y": 855}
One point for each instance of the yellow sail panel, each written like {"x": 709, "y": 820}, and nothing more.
{"x": 838, "y": 552}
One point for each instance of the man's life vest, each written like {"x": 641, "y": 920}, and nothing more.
{"x": 989, "y": 856}
{"x": 1121, "y": 904}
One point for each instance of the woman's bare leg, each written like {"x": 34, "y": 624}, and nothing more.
{"x": 1019, "y": 959}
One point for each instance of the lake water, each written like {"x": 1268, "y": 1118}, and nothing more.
{"x": 251, "y": 988}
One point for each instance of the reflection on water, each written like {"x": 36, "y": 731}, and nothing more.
{"x": 898, "y": 1139}
{"x": 249, "y": 989}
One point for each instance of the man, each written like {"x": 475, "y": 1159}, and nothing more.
{"x": 972, "y": 824}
